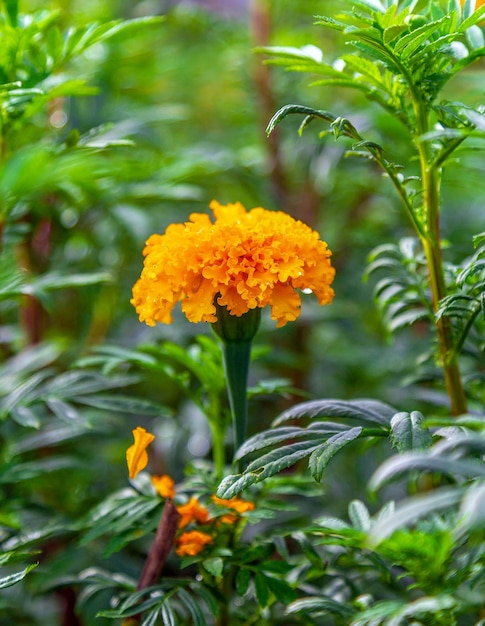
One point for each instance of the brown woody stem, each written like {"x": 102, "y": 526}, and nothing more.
{"x": 159, "y": 551}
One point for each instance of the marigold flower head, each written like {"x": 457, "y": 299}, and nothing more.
{"x": 243, "y": 260}
{"x": 192, "y": 512}
{"x": 136, "y": 455}
{"x": 164, "y": 486}
{"x": 192, "y": 542}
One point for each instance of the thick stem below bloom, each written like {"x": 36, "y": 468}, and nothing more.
{"x": 236, "y": 363}
{"x": 237, "y": 334}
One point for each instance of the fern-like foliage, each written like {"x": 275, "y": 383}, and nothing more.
{"x": 395, "y": 51}
{"x": 403, "y": 293}
{"x": 466, "y": 306}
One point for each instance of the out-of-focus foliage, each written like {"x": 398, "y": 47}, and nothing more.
{"x": 119, "y": 118}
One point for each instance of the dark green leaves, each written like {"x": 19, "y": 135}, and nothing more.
{"x": 409, "y": 433}
{"x": 319, "y": 441}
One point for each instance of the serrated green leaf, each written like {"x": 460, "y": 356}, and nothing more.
{"x": 317, "y": 431}
{"x": 359, "y": 515}
{"x": 320, "y": 457}
{"x": 409, "y": 433}
{"x": 409, "y": 43}
{"x": 214, "y": 566}
{"x": 371, "y": 411}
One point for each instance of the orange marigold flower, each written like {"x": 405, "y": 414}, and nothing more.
{"x": 164, "y": 486}
{"x": 237, "y": 504}
{"x": 192, "y": 542}
{"x": 243, "y": 260}
{"x": 192, "y": 512}
{"x": 136, "y": 455}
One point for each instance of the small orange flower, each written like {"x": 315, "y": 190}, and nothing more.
{"x": 164, "y": 486}
{"x": 192, "y": 512}
{"x": 237, "y": 504}
{"x": 136, "y": 455}
{"x": 192, "y": 542}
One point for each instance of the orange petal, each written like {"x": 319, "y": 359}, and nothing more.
{"x": 136, "y": 455}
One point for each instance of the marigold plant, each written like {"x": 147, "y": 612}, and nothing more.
{"x": 242, "y": 261}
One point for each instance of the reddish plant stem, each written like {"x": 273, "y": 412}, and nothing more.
{"x": 159, "y": 551}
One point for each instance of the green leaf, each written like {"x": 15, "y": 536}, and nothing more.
{"x": 281, "y": 590}
{"x": 370, "y": 411}
{"x": 412, "y": 509}
{"x": 471, "y": 515}
{"x": 214, "y": 566}
{"x": 123, "y": 404}
{"x": 34, "y": 469}
{"x": 409, "y": 433}
{"x": 192, "y": 607}
{"x": 49, "y": 436}
{"x": 53, "y": 280}
{"x": 265, "y": 466}
{"x": 320, "y": 458}
{"x": 13, "y": 579}
{"x": 359, "y": 515}
{"x": 12, "y": 7}
{"x": 411, "y": 461}
{"x": 243, "y": 578}
{"x": 409, "y": 43}
{"x": 167, "y": 615}
{"x": 320, "y": 605}
{"x": 292, "y": 109}
{"x": 317, "y": 430}
{"x": 261, "y": 588}
{"x": 26, "y": 416}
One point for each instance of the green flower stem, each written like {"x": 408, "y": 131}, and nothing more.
{"x": 237, "y": 355}
{"x": 237, "y": 334}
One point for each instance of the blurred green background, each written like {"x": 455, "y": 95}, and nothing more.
{"x": 178, "y": 119}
